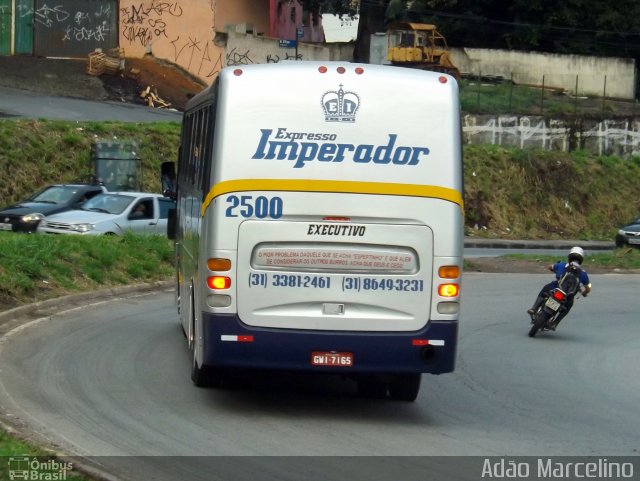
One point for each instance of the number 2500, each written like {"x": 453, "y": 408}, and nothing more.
{"x": 248, "y": 206}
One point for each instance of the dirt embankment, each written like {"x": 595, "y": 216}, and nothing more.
{"x": 526, "y": 266}
{"x": 69, "y": 78}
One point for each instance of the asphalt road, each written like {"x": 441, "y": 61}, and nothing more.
{"x": 112, "y": 381}
{"x": 25, "y": 104}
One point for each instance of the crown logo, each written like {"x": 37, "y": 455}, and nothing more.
{"x": 340, "y": 106}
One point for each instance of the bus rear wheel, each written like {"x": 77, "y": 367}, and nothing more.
{"x": 405, "y": 387}
{"x": 204, "y": 376}
{"x": 371, "y": 386}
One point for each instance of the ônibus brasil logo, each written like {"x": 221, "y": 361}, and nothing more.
{"x": 33, "y": 469}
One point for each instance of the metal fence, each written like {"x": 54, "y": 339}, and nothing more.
{"x": 486, "y": 94}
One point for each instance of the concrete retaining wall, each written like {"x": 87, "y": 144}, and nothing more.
{"x": 595, "y": 76}
{"x": 529, "y": 68}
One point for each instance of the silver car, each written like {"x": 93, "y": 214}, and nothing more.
{"x": 629, "y": 234}
{"x": 112, "y": 214}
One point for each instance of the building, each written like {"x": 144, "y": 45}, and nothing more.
{"x": 190, "y": 33}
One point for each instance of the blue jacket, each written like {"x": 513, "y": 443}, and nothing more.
{"x": 559, "y": 268}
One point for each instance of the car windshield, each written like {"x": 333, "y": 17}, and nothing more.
{"x": 56, "y": 194}
{"x": 108, "y": 203}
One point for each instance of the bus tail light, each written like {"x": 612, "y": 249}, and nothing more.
{"x": 448, "y": 290}
{"x": 219, "y": 264}
{"x": 219, "y": 282}
{"x": 449, "y": 272}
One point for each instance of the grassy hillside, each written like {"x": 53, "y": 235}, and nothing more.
{"x": 38, "y": 267}
{"x": 36, "y": 153}
{"x": 509, "y": 193}
{"x": 530, "y": 194}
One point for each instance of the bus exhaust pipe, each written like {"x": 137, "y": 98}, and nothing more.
{"x": 428, "y": 353}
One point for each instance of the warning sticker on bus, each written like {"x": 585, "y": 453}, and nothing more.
{"x": 336, "y": 257}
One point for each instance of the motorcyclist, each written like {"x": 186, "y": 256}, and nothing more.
{"x": 575, "y": 257}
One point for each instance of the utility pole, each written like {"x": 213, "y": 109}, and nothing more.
{"x": 299, "y": 35}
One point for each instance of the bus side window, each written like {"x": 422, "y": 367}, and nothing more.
{"x": 165, "y": 206}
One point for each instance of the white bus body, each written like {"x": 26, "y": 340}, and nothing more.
{"x": 320, "y": 222}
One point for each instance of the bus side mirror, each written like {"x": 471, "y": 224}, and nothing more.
{"x": 168, "y": 179}
{"x": 172, "y": 222}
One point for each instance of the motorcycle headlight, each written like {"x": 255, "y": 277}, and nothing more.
{"x": 83, "y": 227}
{"x": 29, "y": 218}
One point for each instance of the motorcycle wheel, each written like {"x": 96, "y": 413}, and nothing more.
{"x": 541, "y": 319}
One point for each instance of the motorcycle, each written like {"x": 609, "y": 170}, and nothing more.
{"x": 555, "y": 303}
{"x": 545, "y": 318}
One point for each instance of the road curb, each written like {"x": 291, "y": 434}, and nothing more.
{"x": 537, "y": 244}
{"x": 41, "y": 307}
{"x": 47, "y": 308}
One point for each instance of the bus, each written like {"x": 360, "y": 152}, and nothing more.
{"x": 319, "y": 223}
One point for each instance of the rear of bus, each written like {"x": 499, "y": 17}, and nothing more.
{"x": 336, "y": 209}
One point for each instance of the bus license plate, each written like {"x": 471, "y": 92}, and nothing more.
{"x": 553, "y": 304}
{"x": 338, "y": 359}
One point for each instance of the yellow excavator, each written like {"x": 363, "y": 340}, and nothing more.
{"x": 419, "y": 45}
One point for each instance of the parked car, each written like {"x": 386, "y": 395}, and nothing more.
{"x": 629, "y": 234}
{"x": 113, "y": 213}
{"x": 53, "y": 199}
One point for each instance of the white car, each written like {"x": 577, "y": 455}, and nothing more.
{"x": 114, "y": 214}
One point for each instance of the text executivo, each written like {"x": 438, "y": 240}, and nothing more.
{"x": 300, "y": 148}
{"x": 336, "y": 229}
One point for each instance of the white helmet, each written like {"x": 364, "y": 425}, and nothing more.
{"x": 576, "y": 254}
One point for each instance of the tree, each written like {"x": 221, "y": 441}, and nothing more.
{"x": 583, "y": 27}
{"x": 586, "y": 27}
{"x": 372, "y": 20}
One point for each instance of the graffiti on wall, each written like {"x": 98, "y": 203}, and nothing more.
{"x": 239, "y": 58}
{"x": 24, "y": 11}
{"x": 77, "y": 25}
{"x": 606, "y": 137}
{"x": 168, "y": 29}
{"x": 144, "y": 24}
{"x": 158, "y": 24}
{"x": 233, "y": 57}
{"x": 4, "y": 10}
{"x": 49, "y": 16}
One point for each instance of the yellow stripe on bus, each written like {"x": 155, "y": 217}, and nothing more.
{"x": 333, "y": 186}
